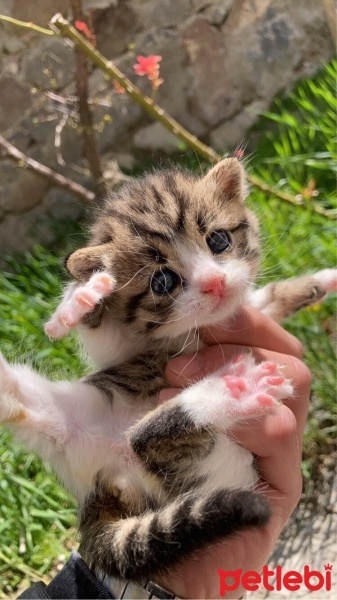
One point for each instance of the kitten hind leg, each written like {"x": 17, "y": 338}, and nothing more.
{"x": 55, "y": 419}
{"x": 283, "y": 298}
{"x": 12, "y": 410}
{"x": 31, "y": 406}
{"x": 173, "y": 438}
{"x": 78, "y": 301}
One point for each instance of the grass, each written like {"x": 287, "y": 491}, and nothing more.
{"x": 37, "y": 517}
{"x": 299, "y": 150}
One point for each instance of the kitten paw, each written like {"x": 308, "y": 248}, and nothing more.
{"x": 81, "y": 302}
{"x": 239, "y": 391}
{"x": 327, "y": 279}
{"x": 258, "y": 391}
{"x": 11, "y": 410}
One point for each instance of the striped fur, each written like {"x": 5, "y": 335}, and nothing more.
{"x": 155, "y": 484}
{"x": 134, "y": 547}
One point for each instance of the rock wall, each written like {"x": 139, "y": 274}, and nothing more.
{"x": 223, "y": 62}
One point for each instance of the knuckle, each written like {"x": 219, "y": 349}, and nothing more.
{"x": 288, "y": 430}
{"x": 298, "y": 347}
{"x": 306, "y": 375}
{"x": 303, "y": 374}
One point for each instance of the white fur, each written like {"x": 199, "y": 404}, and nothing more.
{"x": 110, "y": 343}
{"x": 258, "y": 298}
{"x": 69, "y": 424}
{"x": 193, "y": 308}
{"x": 327, "y": 278}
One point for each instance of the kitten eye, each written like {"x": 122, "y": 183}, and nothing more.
{"x": 164, "y": 281}
{"x": 219, "y": 241}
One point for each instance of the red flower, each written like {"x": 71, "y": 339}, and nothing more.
{"x": 239, "y": 153}
{"x": 83, "y": 27}
{"x": 118, "y": 88}
{"x": 148, "y": 65}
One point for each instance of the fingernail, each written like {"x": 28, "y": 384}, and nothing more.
{"x": 186, "y": 366}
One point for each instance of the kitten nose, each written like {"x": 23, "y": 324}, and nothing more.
{"x": 214, "y": 285}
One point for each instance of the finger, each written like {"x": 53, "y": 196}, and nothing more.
{"x": 273, "y": 439}
{"x": 249, "y": 327}
{"x": 167, "y": 394}
{"x": 278, "y": 450}
{"x": 185, "y": 370}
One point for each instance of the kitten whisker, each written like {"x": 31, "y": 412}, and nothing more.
{"x": 132, "y": 278}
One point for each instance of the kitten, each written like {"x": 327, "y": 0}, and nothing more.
{"x": 168, "y": 254}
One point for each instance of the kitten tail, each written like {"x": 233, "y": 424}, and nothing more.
{"x": 144, "y": 546}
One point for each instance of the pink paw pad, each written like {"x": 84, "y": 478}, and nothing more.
{"x": 68, "y": 321}
{"x": 332, "y": 284}
{"x": 269, "y": 367}
{"x": 327, "y": 279}
{"x": 238, "y": 358}
{"x": 236, "y": 385}
{"x": 276, "y": 380}
{"x": 86, "y": 299}
{"x": 265, "y": 400}
{"x": 103, "y": 283}
{"x": 238, "y": 366}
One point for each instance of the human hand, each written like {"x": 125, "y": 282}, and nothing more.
{"x": 275, "y": 441}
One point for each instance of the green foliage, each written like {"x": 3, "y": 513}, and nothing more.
{"x": 296, "y": 242}
{"x": 35, "y": 512}
{"x": 30, "y": 288}
{"x": 300, "y": 151}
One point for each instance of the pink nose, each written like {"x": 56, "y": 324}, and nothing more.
{"x": 214, "y": 285}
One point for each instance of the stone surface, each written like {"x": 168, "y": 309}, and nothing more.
{"x": 15, "y": 100}
{"x": 61, "y": 205}
{"x": 25, "y": 191}
{"x": 39, "y": 11}
{"x": 217, "y": 13}
{"x": 155, "y": 137}
{"x": 222, "y": 63}
{"x": 206, "y": 50}
{"x": 115, "y": 27}
{"x": 227, "y": 136}
{"x": 49, "y": 65}
{"x": 164, "y": 14}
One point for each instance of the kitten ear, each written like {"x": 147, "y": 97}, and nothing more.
{"x": 82, "y": 263}
{"x": 228, "y": 177}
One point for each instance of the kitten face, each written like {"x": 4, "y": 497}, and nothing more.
{"x": 183, "y": 250}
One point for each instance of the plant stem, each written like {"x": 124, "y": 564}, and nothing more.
{"x": 66, "y": 30}
{"x": 22, "y": 568}
{"x": 61, "y": 25}
{"x": 91, "y": 150}
{"x": 26, "y": 25}
{"x": 11, "y": 152}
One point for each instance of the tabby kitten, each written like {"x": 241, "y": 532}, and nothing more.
{"x": 168, "y": 254}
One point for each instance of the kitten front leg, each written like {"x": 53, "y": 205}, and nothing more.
{"x": 283, "y": 298}
{"x": 78, "y": 301}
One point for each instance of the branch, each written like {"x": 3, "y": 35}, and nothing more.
{"x": 26, "y": 25}
{"x": 22, "y": 568}
{"x": 9, "y": 151}
{"x": 63, "y": 27}
{"x": 331, "y": 19}
{"x": 91, "y": 150}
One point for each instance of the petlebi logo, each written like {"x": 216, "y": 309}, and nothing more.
{"x": 275, "y": 580}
